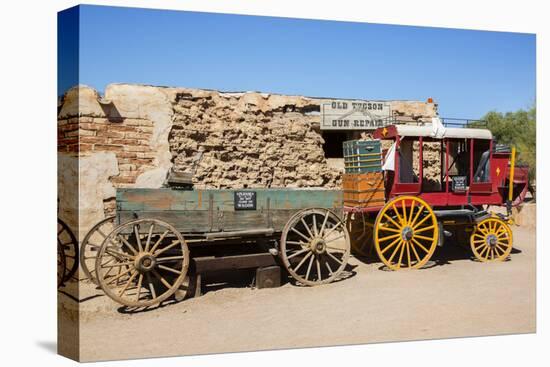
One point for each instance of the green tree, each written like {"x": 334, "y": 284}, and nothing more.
{"x": 516, "y": 128}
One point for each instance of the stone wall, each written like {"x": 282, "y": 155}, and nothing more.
{"x": 249, "y": 140}
{"x": 258, "y": 140}
{"x": 134, "y": 134}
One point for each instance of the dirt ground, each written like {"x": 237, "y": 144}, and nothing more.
{"x": 454, "y": 297}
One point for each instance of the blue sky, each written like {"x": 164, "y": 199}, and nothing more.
{"x": 467, "y": 72}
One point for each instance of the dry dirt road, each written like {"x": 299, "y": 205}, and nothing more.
{"x": 454, "y": 298}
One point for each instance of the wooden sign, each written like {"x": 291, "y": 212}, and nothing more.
{"x": 245, "y": 200}
{"x": 354, "y": 114}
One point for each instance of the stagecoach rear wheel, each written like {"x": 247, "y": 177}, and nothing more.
{"x": 360, "y": 227}
{"x": 91, "y": 245}
{"x": 491, "y": 240}
{"x": 142, "y": 262}
{"x": 67, "y": 241}
{"x": 315, "y": 246}
{"x": 406, "y": 233}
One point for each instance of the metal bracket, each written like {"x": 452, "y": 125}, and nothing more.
{"x": 441, "y": 239}
{"x": 211, "y": 211}
{"x": 268, "y": 208}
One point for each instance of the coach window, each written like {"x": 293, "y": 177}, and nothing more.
{"x": 481, "y": 160}
{"x": 408, "y": 161}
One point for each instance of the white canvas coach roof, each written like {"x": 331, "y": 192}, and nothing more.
{"x": 446, "y": 132}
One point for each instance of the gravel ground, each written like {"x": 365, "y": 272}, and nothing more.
{"x": 455, "y": 297}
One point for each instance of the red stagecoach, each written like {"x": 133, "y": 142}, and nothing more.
{"x": 425, "y": 203}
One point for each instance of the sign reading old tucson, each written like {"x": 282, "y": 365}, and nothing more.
{"x": 353, "y": 114}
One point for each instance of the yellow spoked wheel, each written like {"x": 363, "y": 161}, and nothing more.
{"x": 491, "y": 240}
{"x": 360, "y": 228}
{"x": 405, "y": 233}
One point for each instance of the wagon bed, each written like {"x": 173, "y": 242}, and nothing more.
{"x": 162, "y": 237}
{"x": 223, "y": 210}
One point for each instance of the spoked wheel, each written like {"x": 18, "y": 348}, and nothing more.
{"x": 60, "y": 266}
{"x": 315, "y": 246}
{"x": 405, "y": 233}
{"x": 360, "y": 228}
{"x": 67, "y": 241}
{"x": 491, "y": 240}
{"x": 91, "y": 245}
{"x": 142, "y": 262}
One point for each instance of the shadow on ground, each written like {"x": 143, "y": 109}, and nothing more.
{"x": 444, "y": 255}
{"x": 48, "y": 345}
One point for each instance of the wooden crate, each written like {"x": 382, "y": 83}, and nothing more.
{"x": 363, "y": 189}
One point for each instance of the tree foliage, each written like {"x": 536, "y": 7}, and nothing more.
{"x": 516, "y": 128}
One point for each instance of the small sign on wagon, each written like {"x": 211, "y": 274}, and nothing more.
{"x": 245, "y": 200}
{"x": 354, "y": 114}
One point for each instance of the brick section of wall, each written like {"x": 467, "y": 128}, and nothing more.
{"x": 67, "y": 135}
{"x": 129, "y": 140}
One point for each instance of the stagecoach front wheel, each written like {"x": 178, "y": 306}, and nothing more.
{"x": 315, "y": 246}
{"x": 406, "y": 233}
{"x": 142, "y": 262}
{"x": 491, "y": 240}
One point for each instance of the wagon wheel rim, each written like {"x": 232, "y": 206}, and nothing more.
{"x": 91, "y": 244}
{"x": 60, "y": 266}
{"x": 152, "y": 259}
{"x": 360, "y": 228}
{"x": 315, "y": 246}
{"x": 491, "y": 240}
{"x": 67, "y": 241}
{"x": 406, "y": 233}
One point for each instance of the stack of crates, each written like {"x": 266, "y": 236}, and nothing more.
{"x": 363, "y": 180}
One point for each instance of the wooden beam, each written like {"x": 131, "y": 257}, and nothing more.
{"x": 212, "y": 263}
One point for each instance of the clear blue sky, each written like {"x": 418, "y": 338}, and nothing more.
{"x": 467, "y": 72}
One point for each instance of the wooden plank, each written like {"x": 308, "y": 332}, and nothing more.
{"x": 211, "y": 263}
{"x": 187, "y": 221}
{"x": 282, "y": 198}
{"x": 189, "y": 211}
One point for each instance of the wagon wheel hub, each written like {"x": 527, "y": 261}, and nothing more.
{"x": 318, "y": 246}
{"x": 492, "y": 240}
{"x": 407, "y": 233}
{"x": 145, "y": 262}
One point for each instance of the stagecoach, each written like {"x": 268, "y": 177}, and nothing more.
{"x": 417, "y": 212}
{"x": 161, "y": 238}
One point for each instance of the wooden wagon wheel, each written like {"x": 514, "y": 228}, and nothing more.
{"x": 91, "y": 244}
{"x": 67, "y": 241}
{"x": 405, "y": 233}
{"x": 360, "y": 228}
{"x": 491, "y": 240}
{"x": 61, "y": 260}
{"x": 315, "y": 246}
{"x": 142, "y": 262}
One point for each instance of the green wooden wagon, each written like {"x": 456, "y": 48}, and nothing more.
{"x": 161, "y": 236}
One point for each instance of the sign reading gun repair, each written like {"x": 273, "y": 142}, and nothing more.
{"x": 354, "y": 114}
{"x": 245, "y": 200}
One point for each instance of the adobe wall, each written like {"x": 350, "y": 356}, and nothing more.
{"x": 134, "y": 134}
